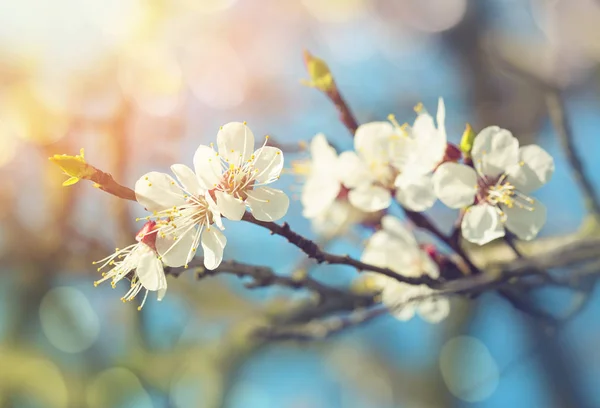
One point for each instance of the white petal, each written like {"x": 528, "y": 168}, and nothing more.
{"x": 321, "y": 152}
{"x": 352, "y": 170}
{"x": 235, "y": 141}
{"x": 214, "y": 209}
{"x": 481, "y": 224}
{"x": 318, "y": 194}
{"x": 231, "y": 207}
{"x": 158, "y": 191}
{"x": 415, "y": 191}
{"x": 162, "y": 290}
{"x": 161, "y": 293}
{"x": 150, "y": 271}
{"x": 494, "y": 151}
{"x": 370, "y": 198}
{"x": 213, "y": 243}
{"x": 455, "y": 184}
{"x": 269, "y": 162}
{"x": 208, "y": 167}
{"x": 403, "y": 152}
{"x": 398, "y": 230}
{"x": 372, "y": 140}
{"x": 395, "y": 296}
{"x": 434, "y": 310}
{"x": 267, "y": 204}
{"x": 524, "y": 223}
{"x": 176, "y": 252}
{"x": 535, "y": 169}
{"x": 187, "y": 178}
{"x": 441, "y": 117}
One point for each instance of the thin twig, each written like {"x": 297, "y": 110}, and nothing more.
{"x": 312, "y": 250}
{"x": 556, "y": 111}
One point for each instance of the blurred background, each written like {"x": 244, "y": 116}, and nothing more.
{"x": 141, "y": 83}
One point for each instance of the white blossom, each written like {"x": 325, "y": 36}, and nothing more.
{"x": 395, "y": 247}
{"x": 367, "y": 172}
{"x": 140, "y": 259}
{"x": 323, "y": 182}
{"x": 498, "y": 186}
{"x": 392, "y": 158}
{"x": 237, "y": 175}
{"x": 188, "y": 216}
{"x": 416, "y": 157}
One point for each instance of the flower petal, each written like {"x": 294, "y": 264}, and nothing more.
{"x": 318, "y": 194}
{"x": 158, "y": 191}
{"x": 535, "y": 169}
{"x": 231, "y": 207}
{"x": 398, "y": 230}
{"x": 207, "y": 165}
{"x": 525, "y": 224}
{"x": 455, "y": 184}
{"x": 162, "y": 292}
{"x": 176, "y": 252}
{"x": 267, "y": 204}
{"x": 352, "y": 170}
{"x": 269, "y": 162}
{"x": 371, "y": 140}
{"x": 370, "y": 198}
{"x": 494, "y": 151}
{"x": 187, "y": 178}
{"x": 481, "y": 224}
{"x": 213, "y": 243}
{"x": 235, "y": 141}
{"x": 415, "y": 191}
{"x": 321, "y": 152}
{"x": 150, "y": 271}
{"x": 435, "y": 309}
{"x": 395, "y": 296}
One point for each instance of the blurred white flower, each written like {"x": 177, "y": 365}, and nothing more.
{"x": 395, "y": 247}
{"x": 142, "y": 260}
{"x": 237, "y": 174}
{"x": 393, "y": 158}
{"x": 323, "y": 183}
{"x": 416, "y": 157}
{"x": 186, "y": 213}
{"x": 324, "y": 198}
{"x": 503, "y": 176}
{"x": 367, "y": 172}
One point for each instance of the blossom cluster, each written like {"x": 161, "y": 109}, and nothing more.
{"x": 186, "y": 212}
{"x": 489, "y": 178}
{"x": 417, "y": 166}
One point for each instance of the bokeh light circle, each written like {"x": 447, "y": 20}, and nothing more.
{"x": 68, "y": 320}
{"x": 468, "y": 369}
{"x": 117, "y": 387}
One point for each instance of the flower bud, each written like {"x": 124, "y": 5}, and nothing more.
{"x": 466, "y": 142}
{"x": 73, "y": 166}
{"x": 320, "y": 76}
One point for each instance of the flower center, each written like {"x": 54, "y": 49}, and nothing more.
{"x": 236, "y": 181}
{"x": 503, "y": 192}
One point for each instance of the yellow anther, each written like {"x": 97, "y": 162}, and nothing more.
{"x": 139, "y": 308}
{"x": 149, "y": 184}
{"x": 245, "y": 123}
{"x": 146, "y": 178}
{"x": 418, "y": 107}
{"x": 96, "y": 283}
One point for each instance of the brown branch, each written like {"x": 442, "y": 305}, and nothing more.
{"x": 263, "y": 276}
{"x": 346, "y": 115}
{"x": 312, "y": 250}
{"x": 106, "y": 182}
